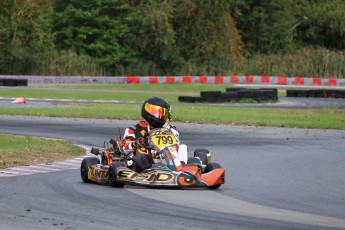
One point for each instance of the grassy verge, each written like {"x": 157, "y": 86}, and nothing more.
{"x": 21, "y": 150}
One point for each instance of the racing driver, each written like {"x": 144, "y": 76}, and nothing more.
{"x": 156, "y": 113}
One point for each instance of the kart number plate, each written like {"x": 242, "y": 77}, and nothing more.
{"x": 163, "y": 139}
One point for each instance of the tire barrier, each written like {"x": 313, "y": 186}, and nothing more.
{"x": 232, "y": 95}
{"x": 320, "y": 93}
{"x": 13, "y": 82}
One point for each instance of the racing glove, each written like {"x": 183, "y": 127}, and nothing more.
{"x": 140, "y": 142}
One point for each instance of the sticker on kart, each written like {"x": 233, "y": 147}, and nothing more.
{"x": 98, "y": 175}
{"x": 157, "y": 177}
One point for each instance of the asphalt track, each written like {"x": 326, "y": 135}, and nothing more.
{"x": 276, "y": 178}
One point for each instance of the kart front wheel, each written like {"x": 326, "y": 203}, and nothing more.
{"x": 84, "y": 168}
{"x": 209, "y": 168}
{"x": 113, "y": 175}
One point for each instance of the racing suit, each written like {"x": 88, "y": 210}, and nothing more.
{"x": 143, "y": 158}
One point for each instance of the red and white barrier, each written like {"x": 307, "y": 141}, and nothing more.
{"x": 263, "y": 80}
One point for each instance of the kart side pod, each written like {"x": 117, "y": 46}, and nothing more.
{"x": 215, "y": 177}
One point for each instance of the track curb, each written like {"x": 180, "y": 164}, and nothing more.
{"x": 56, "y": 166}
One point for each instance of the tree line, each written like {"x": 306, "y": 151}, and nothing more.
{"x": 172, "y": 37}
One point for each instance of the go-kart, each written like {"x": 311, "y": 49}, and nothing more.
{"x": 112, "y": 166}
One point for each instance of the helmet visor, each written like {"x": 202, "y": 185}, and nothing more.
{"x": 157, "y": 111}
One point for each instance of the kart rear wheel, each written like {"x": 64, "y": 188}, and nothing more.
{"x": 84, "y": 168}
{"x": 212, "y": 166}
{"x": 113, "y": 175}
{"x": 193, "y": 160}
{"x": 202, "y": 154}
{"x": 209, "y": 168}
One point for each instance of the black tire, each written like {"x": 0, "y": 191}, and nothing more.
{"x": 319, "y": 93}
{"x": 302, "y": 93}
{"x": 242, "y": 94}
{"x": 339, "y": 94}
{"x": 233, "y": 89}
{"x": 291, "y": 93}
{"x": 187, "y": 99}
{"x": 10, "y": 82}
{"x": 199, "y": 99}
{"x": 193, "y": 160}
{"x": 312, "y": 93}
{"x": 230, "y": 95}
{"x": 326, "y": 93}
{"x": 271, "y": 94}
{"x": 209, "y": 99}
{"x": 22, "y": 82}
{"x": 250, "y": 94}
{"x": 113, "y": 175}
{"x": 84, "y": 168}
{"x": 202, "y": 154}
{"x": 210, "y": 93}
{"x": 210, "y": 167}
{"x": 221, "y": 99}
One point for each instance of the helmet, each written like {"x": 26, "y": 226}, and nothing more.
{"x": 156, "y": 111}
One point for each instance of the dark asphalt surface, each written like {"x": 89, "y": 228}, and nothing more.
{"x": 276, "y": 178}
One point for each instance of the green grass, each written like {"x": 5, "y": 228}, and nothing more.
{"x": 20, "y": 150}
{"x": 300, "y": 118}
